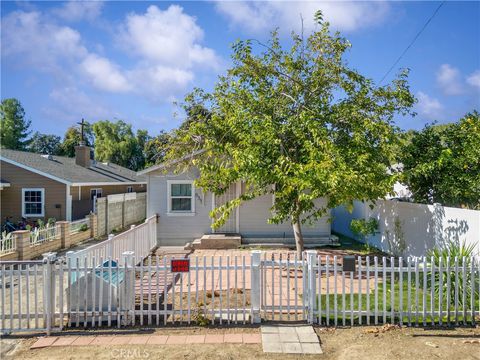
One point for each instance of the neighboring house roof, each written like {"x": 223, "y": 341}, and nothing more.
{"x": 170, "y": 163}
{"x": 64, "y": 169}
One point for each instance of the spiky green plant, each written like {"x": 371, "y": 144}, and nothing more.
{"x": 451, "y": 255}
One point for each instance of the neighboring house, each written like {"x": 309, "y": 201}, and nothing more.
{"x": 45, "y": 186}
{"x": 184, "y": 210}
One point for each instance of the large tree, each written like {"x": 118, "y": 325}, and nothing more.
{"x": 45, "y": 144}
{"x": 156, "y": 148}
{"x": 297, "y": 123}
{"x": 116, "y": 142}
{"x": 442, "y": 163}
{"x": 14, "y": 128}
{"x": 73, "y": 137}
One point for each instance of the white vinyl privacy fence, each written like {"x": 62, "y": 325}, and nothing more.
{"x": 105, "y": 292}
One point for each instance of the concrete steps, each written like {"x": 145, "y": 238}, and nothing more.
{"x": 216, "y": 241}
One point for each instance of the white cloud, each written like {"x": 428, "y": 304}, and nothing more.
{"x": 167, "y": 46}
{"x": 104, "y": 74}
{"x": 428, "y": 106}
{"x": 170, "y": 38}
{"x": 72, "y": 104}
{"x": 258, "y": 17}
{"x": 449, "y": 80}
{"x": 28, "y": 39}
{"x": 76, "y": 10}
{"x": 474, "y": 79}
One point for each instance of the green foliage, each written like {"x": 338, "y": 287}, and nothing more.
{"x": 364, "y": 228}
{"x": 156, "y": 148}
{"x": 83, "y": 227}
{"x": 14, "y": 128}
{"x": 297, "y": 123}
{"x": 441, "y": 163}
{"x": 115, "y": 142}
{"x": 448, "y": 256}
{"x": 73, "y": 137}
{"x": 45, "y": 144}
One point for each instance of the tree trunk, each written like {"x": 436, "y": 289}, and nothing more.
{"x": 297, "y": 230}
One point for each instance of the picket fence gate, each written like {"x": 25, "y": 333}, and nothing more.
{"x": 52, "y": 294}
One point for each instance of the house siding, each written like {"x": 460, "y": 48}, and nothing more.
{"x": 11, "y": 201}
{"x": 177, "y": 230}
{"x": 253, "y": 215}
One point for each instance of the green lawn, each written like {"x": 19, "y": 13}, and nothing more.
{"x": 400, "y": 301}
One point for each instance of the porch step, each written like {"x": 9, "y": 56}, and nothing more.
{"x": 216, "y": 241}
{"x": 309, "y": 242}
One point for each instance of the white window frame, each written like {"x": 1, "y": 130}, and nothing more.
{"x": 171, "y": 212}
{"x": 97, "y": 190}
{"x": 129, "y": 189}
{"x": 42, "y": 214}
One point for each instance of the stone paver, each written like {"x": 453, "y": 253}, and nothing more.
{"x": 83, "y": 340}
{"x": 65, "y": 341}
{"x": 213, "y": 339}
{"x": 44, "y": 342}
{"x": 150, "y": 340}
{"x": 176, "y": 340}
{"x": 290, "y": 339}
{"x": 233, "y": 338}
{"x": 252, "y": 339}
{"x": 157, "y": 340}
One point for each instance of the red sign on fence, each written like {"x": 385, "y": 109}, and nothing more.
{"x": 180, "y": 265}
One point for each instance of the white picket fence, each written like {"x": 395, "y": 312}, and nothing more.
{"x": 140, "y": 239}
{"x": 77, "y": 225}
{"x": 100, "y": 292}
{"x": 7, "y": 243}
{"x": 40, "y": 235}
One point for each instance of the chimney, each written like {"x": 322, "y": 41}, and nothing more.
{"x": 82, "y": 155}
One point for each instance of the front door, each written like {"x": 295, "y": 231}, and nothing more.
{"x": 231, "y": 225}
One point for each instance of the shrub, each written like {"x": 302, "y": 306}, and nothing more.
{"x": 364, "y": 228}
{"x": 448, "y": 253}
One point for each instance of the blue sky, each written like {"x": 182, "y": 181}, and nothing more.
{"x": 132, "y": 60}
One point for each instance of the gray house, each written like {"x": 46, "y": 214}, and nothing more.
{"x": 184, "y": 210}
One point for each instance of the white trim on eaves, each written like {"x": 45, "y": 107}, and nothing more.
{"x": 47, "y": 175}
{"x": 63, "y": 181}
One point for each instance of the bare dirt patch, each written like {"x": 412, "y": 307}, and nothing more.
{"x": 349, "y": 343}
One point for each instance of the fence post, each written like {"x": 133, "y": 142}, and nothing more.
{"x": 311, "y": 291}
{"x": 21, "y": 239}
{"x": 109, "y": 253}
{"x": 49, "y": 289}
{"x": 129, "y": 288}
{"x": 134, "y": 235}
{"x": 64, "y": 227}
{"x": 93, "y": 225}
{"x": 255, "y": 282}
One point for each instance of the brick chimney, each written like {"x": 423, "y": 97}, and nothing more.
{"x": 82, "y": 155}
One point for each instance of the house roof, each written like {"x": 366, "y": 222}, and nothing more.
{"x": 165, "y": 165}
{"x": 64, "y": 169}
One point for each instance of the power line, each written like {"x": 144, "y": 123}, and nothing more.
{"x": 413, "y": 41}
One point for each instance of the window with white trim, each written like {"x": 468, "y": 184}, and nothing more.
{"x": 95, "y": 193}
{"x": 33, "y": 202}
{"x": 181, "y": 196}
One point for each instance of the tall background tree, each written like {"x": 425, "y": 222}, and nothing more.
{"x": 442, "y": 163}
{"x": 156, "y": 148}
{"x": 14, "y": 128}
{"x": 45, "y": 144}
{"x": 296, "y": 123}
{"x": 115, "y": 142}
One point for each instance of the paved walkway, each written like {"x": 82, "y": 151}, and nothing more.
{"x": 290, "y": 339}
{"x": 147, "y": 340}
